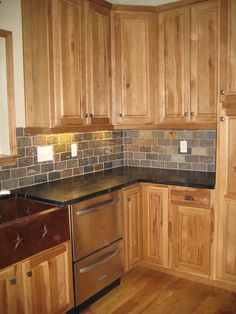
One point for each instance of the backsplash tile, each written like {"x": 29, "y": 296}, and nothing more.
{"x": 160, "y": 149}
{"x": 107, "y": 149}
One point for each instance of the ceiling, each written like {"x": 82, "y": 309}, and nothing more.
{"x": 141, "y": 2}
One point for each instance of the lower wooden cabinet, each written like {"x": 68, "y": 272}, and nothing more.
{"x": 155, "y": 225}
{"x": 192, "y": 227}
{"x": 40, "y": 284}
{"x": 227, "y": 242}
{"x": 132, "y": 226}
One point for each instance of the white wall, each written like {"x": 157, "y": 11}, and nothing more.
{"x": 10, "y": 19}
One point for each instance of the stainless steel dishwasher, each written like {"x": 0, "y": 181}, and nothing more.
{"x": 97, "y": 247}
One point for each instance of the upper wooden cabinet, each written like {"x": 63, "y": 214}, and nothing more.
{"x": 67, "y": 63}
{"x": 187, "y": 64}
{"x": 133, "y": 43}
{"x": 98, "y": 60}
{"x": 228, "y": 53}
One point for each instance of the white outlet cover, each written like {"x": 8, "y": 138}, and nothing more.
{"x": 183, "y": 147}
{"x": 44, "y": 153}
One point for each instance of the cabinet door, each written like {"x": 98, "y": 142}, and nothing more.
{"x": 191, "y": 239}
{"x": 98, "y": 62}
{"x": 47, "y": 281}
{"x": 204, "y": 61}
{"x": 68, "y": 57}
{"x": 155, "y": 225}
{"x": 38, "y": 101}
{"x": 10, "y": 303}
{"x": 134, "y": 64}
{"x": 173, "y": 66}
{"x": 227, "y": 242}
{"x": 132, "y": 228}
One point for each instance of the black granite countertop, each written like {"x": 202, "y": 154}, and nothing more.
{"x": 71, "y": 190}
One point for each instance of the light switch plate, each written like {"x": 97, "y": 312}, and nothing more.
{"x": 73, "y": 149}
{"x": 44, "y": 153}
{"x": 183, "y": 147}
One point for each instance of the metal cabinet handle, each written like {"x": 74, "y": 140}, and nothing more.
{"x": 222, "y": 91}
{"x": 97, "y": 207}
{"x": 13, "y": 281}
{"x": 102, "y": 261}
{"x": 90, "y": 115}
{"x": 188, "y": 198}
{"x": 186, "y": 114}
{"x": 120, "y": 115}
{"x": 86, "y": 115}
{"x": 222, "y": 119}
{"x": 28, "y": 211}
{"x": 29, "y": 274}
{"x": 192, "y": 114}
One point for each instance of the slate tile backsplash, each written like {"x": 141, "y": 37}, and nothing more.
{"x": 160, "y": 149}
{"x": 107, "y": 149}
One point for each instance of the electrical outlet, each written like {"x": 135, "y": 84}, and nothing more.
{"x": 183, "y": 147}
{"x": 74, "y": 150}
{"x": 44, "y": 153}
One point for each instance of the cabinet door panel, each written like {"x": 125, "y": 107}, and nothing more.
{"x": 9, "y": 296}
{"x": 231, "y": 147}
{"x": 134, "y": 67}
{"x": 192, "y": 239}
{"x": 155, "y": 225}
{"x": 173, "y": 65}
{"x": 204, "y": 61}
{"x": 132, "y": 234}
{"x": 98, "y": 63}
{"x": 70, "y": 13}
{"x": 47, "y": 281}
{"x": 36, "y": 63}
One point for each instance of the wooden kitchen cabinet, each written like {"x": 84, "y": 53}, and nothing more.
{"x": 192, "y": 222}
{"x": 188, "y": 64}
{"x": 67, "y": 65}
{"x": 98, "y": 61}
{"x": 155, "y": 225}
{"x": 10, "y": 301}
{"x": 228, "y": 53}
{"x": 40, "y": 284}
{"x": 132, "y": 226}
{"x": 133, "y": 57}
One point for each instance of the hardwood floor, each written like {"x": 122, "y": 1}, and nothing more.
{"x": 151, "y": 292}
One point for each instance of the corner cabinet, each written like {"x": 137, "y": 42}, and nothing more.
{"x": 155, "y": 225}
{"x": 67, "y": 81}
{"x": 188, "y": 64}
{"x": 132, "y": 200}
{"x": 40, "y": 284}
{"x": 133, "y": 57}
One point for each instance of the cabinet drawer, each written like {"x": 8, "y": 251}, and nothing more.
{"x": 195, "y": 198}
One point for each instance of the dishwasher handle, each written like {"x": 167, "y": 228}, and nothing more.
{"x": 100, "y": 262}
{"x": 97, "y": 207}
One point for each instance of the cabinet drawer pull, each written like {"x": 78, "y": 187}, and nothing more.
{"x": 188, "y": 198}
{"x": 28, "y": 211}
{"x": 18, "y": 241}
{"x": 13, "y": 281}
{"x": 98, "y": 206}
{"x": 102, "y": 261}
{"x": 29, "y": 274}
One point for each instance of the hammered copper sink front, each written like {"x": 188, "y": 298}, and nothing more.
{"x": 28, "y": 227}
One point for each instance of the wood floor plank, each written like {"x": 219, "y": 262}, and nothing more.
{"x": 150, "y": 292}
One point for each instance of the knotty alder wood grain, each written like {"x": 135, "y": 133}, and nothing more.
{"x": 147, "y": 291}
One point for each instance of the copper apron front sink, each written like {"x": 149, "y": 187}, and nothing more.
{"x": 28, "y": 227}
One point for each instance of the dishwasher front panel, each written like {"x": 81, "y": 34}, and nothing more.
{"x": 97, "y": 223}
{"x": 98, "y": 271}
